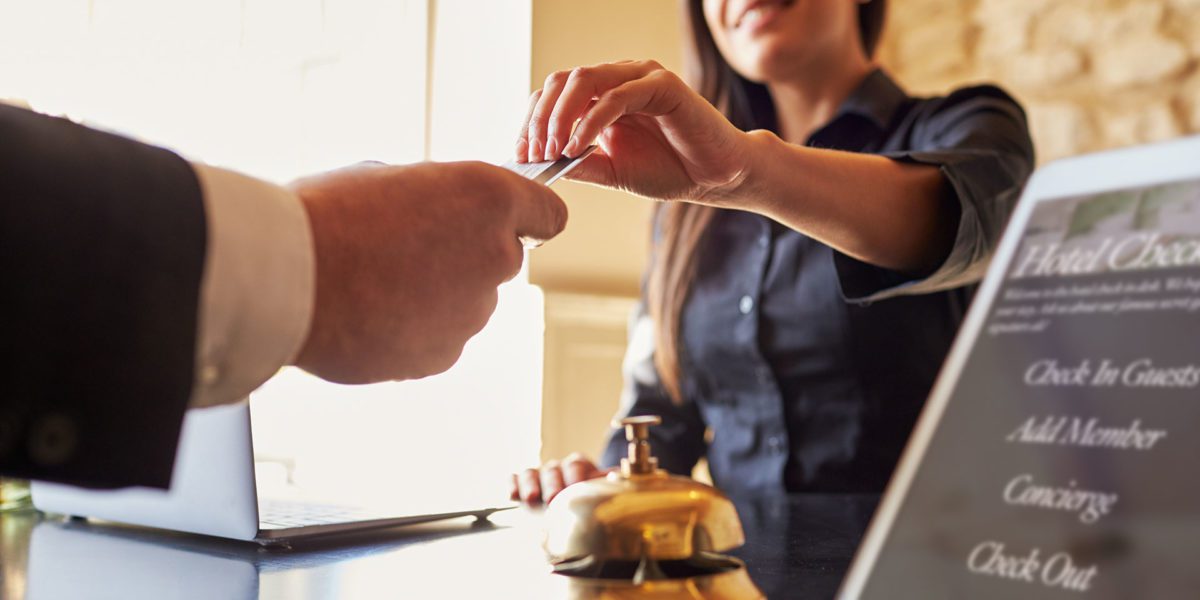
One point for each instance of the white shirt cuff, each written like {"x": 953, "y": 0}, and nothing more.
{"x": 256, "y": 297}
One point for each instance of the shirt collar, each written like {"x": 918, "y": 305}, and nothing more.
{"x": 877, "y": 98}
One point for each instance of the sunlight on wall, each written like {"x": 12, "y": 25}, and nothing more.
{"x": 275, "y": 88}
{"x": 445, "y": 439}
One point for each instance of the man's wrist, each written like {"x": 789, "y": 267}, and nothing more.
{"x": 258, "y": 285}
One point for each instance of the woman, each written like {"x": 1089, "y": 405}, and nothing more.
{"x": 820, "y": 243}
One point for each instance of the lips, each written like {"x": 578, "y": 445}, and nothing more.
{"x": 757, "y": 11}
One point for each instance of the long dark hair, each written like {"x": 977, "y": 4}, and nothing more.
{"x": 681, "y": 225}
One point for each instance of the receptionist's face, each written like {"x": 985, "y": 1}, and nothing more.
{"x": 769, "y": 40}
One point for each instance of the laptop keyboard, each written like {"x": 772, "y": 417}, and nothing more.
{"x": 276, "y": 514}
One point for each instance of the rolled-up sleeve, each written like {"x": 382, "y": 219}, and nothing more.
{"x": 678, "y": 442}
{"x": 978, "y": 138}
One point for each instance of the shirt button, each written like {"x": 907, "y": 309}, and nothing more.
{"x": 746, "y": 304}
{"x": 763, "y": 241}
{"x": 764, "y": 374}
{"x": 775, "y": 443}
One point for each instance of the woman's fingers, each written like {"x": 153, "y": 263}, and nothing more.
{"x": 552, "y": 481}
{"x": 565, "y": 96}
{"x": 584, "y": 84}
{"x": 653, "y": 95}
{"x": 597, "y": 168}
{"x": 535, "y": 486}
{"x": 539, "y": 119}
{"x": 523, "y": 138}
{"x": 578, "y": 468}
{"x": 529, "y": 482}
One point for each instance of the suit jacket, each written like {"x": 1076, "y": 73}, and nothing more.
{"x": 102, "y": 246}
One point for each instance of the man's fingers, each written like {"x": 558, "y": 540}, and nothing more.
{"x": 510, "y": 255}
{"x": 539, "y": 214}
{"x": 516, "y": 251}
{"x": 489, "y": 299}
{"x": 514, "y": 488}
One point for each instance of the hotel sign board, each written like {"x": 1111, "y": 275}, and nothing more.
{"x": 1065, "y": 459}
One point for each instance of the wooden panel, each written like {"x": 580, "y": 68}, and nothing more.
{"x": 585, "y": 343}
{"x": 604, "y": 248}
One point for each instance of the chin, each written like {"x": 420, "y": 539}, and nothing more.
{"x": 769, "y": 62}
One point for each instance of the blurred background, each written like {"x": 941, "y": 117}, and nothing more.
{"x": 1092, "y": 74}
{"x": 280, "y": 88}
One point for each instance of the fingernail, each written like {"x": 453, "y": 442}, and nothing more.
{"x": 522, "y": 150}
{"x": 535, "y": 151}
{"x": 570, "y": 150}
{"x": 552, "y": 149}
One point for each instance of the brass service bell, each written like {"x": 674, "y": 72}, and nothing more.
{"x": 641, "y": 532}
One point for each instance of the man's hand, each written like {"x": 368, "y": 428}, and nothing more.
{"x": 408, "y": 259}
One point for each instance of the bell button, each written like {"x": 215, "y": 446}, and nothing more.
{"x": 746, "y": 304}
{"x": 637, "y": 433}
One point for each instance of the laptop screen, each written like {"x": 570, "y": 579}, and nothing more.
{"x": 1064, "y": 464}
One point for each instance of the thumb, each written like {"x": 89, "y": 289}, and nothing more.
{"x": 597, "y": 168}
{"x": 539, "y": 214}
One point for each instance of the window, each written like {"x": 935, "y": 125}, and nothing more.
{"x": 282, "y": 88}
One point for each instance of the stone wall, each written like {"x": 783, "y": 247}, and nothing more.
{"x": 1092, "y": 74}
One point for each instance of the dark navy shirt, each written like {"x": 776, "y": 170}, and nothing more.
{"x": 805, "y": 369}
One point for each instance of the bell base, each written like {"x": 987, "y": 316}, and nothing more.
{"x": 711, "y": 577}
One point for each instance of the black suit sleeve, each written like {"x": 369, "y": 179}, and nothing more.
{"x": 102, "y": 243}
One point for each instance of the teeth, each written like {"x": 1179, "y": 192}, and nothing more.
{"x": 755, "y": 13}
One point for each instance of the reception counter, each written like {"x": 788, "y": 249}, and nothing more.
{"x": 796, "y": 547}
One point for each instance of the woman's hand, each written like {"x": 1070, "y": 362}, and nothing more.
{"x": 658, "y": 138}
{"x": 536, "y": 486}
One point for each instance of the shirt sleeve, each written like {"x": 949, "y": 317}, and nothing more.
{"x": 678, "y": 442}
{"x": 256, "y": 294}
{"x": 978, "y": 138}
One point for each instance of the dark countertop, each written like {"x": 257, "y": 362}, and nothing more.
{"x": 797, "y": 546}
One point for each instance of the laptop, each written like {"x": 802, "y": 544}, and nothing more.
{"x": 77, "y": 559}
{"x": 1055, "y": 457}
{"x": 214, "y": 492}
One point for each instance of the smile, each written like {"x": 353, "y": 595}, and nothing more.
{"x": 759, "y": 12}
